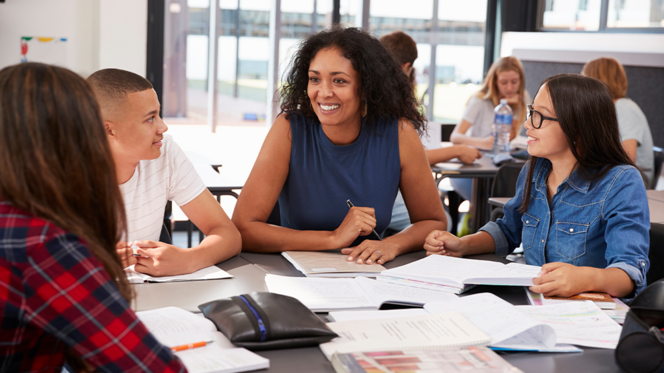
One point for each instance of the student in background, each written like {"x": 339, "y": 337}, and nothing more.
{"x": 580, "y": 209}
{"x": 505, "y": 80}
{"x": 634, "y": 128}
{"x": 63, "y": 291}
{"x": 404, "y": 50}
{"x": 350, "y": 131}
{"x": 151, "y": 170}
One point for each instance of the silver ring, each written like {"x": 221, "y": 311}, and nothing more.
{"x": 379, "y": 253}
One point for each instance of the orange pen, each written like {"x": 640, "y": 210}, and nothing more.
{"x": 190, "y": 346}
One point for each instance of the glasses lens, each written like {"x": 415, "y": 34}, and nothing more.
{"x": 536, "y": 119}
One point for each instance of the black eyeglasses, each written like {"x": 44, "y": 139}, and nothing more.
{"x": 536, "y": 118}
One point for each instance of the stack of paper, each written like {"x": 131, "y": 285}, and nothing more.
{"x": 602, "y": 300}
{"x": 326, "y": 294}
{"x": 208, "y": 273}
{"x": 459, "y": 273}
{"x": 408, "y": 333}
{"x": 320, "y": 264}
{"x": 174, "y": 326}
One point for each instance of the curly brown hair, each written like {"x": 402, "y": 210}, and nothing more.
{"x": 386, "y": 89}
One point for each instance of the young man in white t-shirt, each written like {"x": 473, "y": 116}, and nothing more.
{"x": 151, "y": 170}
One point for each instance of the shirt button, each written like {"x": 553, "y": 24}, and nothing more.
{"x": 527, "y": 221}
{"x": 542, "y": 241}
{"x": 571, "y": 229}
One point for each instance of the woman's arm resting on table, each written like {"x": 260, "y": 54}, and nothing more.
{"x": 422, "y": 200}
{"x": 261, "y": 192}
{"x": 459, "y": 137}
{"x": 464, "y": 153}
{"x": 565, "y": 280}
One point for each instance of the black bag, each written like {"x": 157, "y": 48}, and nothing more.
{"x": 265, "y": 321}
{"x": 641, "y": 345}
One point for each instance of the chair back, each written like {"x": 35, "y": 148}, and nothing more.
{"x": 504, "y": 183}
{"x": 164, "y": 236}
{"x": 656, "y": 253}
{"x": 659, "y": 159}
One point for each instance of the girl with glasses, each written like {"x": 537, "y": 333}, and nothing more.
{"x": 580, "y": 209}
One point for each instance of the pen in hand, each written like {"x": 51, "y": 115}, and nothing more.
{"x": 190, "y": 346}
{"x": 373, "y": 231}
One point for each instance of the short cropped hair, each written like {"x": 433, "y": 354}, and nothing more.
{"x": 610, "y": 72}
{"x": 113, "y": 85}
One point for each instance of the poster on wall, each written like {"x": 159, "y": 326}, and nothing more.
{"x": 49, "y": 50}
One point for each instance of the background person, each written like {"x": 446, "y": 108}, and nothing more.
{"x": 350, "y": 131}
{"x": 404, "y": 50}
{"x": 634, "y": 128}
{"x": 63, "y": 291}
{"x": 580, "y": 209}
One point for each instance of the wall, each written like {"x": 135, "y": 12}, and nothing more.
{"x": 547, "y": 53}
{"x": 100, "y": 33}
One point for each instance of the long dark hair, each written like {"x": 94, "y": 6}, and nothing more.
{"x": 587, "y": 116}
{"x": 55, "y": 160}
{"x": 383, "y": 85}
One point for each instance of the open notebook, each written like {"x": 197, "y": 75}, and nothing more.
{"x": 208, "y": 273}
{"x": 321, "y": 264}
{"x": 459, "y": 273}
{"x": 174, "y": 326}
{"x": 326, "y": 294}
{"x": 407, "y": 333}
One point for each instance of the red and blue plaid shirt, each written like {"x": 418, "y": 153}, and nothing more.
{"x": 55, "y": 294}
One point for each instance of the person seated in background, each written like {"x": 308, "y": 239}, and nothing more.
{"x": 580, "y": 209}
{"x": 404, "y": 50}
{"x": 634, "y": 128}
{"x": 505, "y": 80}
{"x": 348, "y": 130}
{"x": 152, "y": 169}
{"x": 64, "y": 296}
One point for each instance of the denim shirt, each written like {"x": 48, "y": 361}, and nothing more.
{"x": 603, "y": 223}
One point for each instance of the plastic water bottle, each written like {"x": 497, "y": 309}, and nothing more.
{"x": 502, "y": 126}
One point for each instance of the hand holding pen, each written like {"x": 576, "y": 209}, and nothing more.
{"x": 359, "y": 221}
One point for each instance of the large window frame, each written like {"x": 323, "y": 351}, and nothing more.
{"x": 603, "y": 21}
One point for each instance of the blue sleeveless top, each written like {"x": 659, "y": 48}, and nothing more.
{"x": 322, "y": 176}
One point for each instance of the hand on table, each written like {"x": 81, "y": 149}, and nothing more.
{"x": 359, "y": 221}
{"x": 486, "y": 143}
{"x": 468, "y": 155}
{"x": 562, "y": 279}
{"x": 125, "y": 252}
{"x": 162, "y": 259}
{"x": 371, "y": 251}
{"x": 443, "y": 243}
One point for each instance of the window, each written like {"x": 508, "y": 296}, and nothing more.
{"x": 635, "y": 13}
{"x": 575, "y": 15}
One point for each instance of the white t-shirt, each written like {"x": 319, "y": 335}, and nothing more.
{"x": 171, "y": 177}
{"x": 634, "y": 126}
{"x": 480, "y": 113}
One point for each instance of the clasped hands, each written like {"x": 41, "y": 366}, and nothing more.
{"x": 156, "y": 258}
{"x": 555, "y": 279}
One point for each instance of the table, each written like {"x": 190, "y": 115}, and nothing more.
{"x": 249, "y": 270}
{"x": 482, "y": 174}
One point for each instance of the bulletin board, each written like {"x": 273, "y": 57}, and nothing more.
{"x": 51, "y": 50}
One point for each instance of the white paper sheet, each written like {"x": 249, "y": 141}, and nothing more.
{"x": 499, "y": 320}
{"x": 581, "y": 323}
{"x": 208, "y": 273}
{"x": 381, "y": 292}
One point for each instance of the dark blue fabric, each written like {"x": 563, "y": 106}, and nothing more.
{"x": 322, "y": 176}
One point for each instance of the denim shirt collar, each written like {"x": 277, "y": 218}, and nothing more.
{"x": 543, "y": 167}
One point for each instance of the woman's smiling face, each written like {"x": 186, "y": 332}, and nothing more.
{"x": 333, "y": 88}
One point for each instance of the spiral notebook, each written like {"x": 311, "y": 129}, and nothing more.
{"x": 450, "y": 329}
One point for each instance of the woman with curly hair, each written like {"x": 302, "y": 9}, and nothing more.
{"x": 349, "y": 131}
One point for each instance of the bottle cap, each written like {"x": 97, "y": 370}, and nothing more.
{"x": 503, "y": 101}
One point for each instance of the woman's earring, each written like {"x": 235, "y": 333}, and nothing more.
{"x": 364, "y": 108}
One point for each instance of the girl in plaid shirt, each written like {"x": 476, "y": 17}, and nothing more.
{"x": 63, "y": 293}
